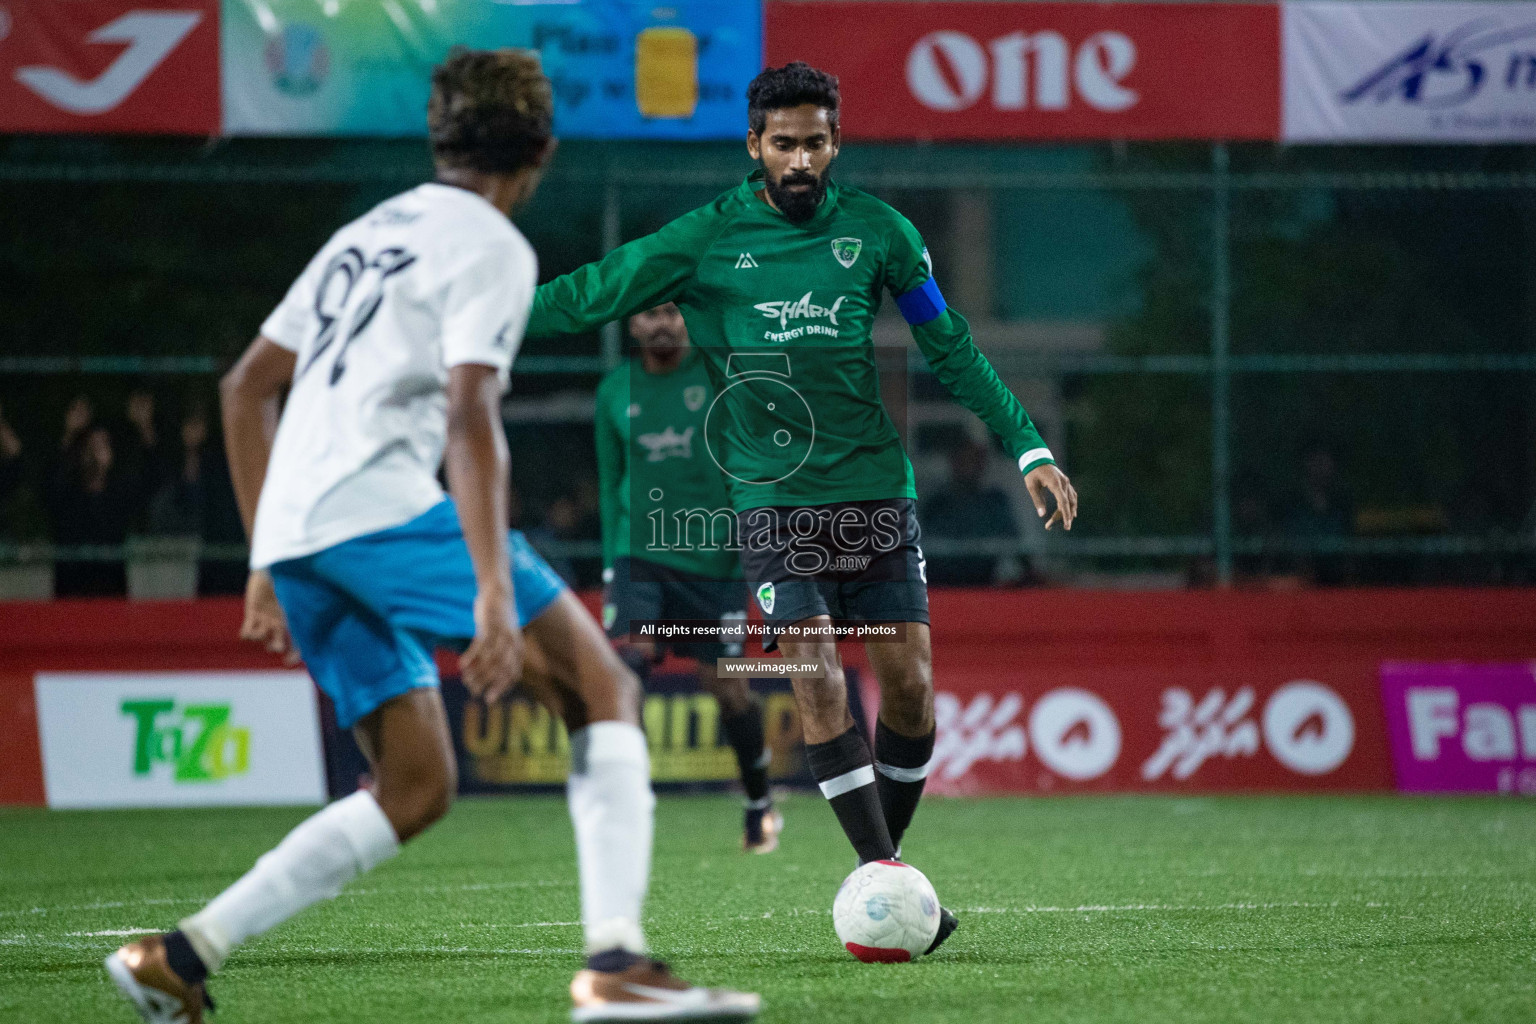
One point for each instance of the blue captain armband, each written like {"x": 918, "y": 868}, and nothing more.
{"x": 922, "y": 303}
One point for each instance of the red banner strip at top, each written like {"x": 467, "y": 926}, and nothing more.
{"x": 999, "y": 71}
{"x": 141, "y": 66}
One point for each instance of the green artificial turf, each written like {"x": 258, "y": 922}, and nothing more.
{"x": 1072, "y": 909}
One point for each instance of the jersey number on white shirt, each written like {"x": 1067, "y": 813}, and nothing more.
{"x": 345, "y": 275}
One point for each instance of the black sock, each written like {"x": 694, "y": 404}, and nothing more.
{"x": 744, "y": 732}
{"x": 843, "y": 769}
{"x": 901, "y": 766}
{"x": 610, "y": 961}
{"x": 189, "y": 967}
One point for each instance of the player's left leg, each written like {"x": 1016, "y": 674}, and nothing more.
{"x": 572, "y": 668}
{"x": 690, "y": 597}
{"x": 894, "y": 589}
{"x": 904, "y": 735}
{"x": 741, "y": 719}
{"x": 379, "y": 678}
{"x": 904, "y": 731}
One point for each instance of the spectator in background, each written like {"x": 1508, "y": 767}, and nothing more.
{"x": 80, "y": 415}
{"x": 143, "y": 456}
{"x": 10, "y": 460}
{"x": 1320, "y": 508}
{"x": 180, "y": 505}
{"x": 968, "y": 510}
{"x": 89, "y": 503}
{"x": 561, "y": 520}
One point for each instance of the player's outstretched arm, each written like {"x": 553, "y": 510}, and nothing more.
{"x": 944, "y": 338}
{"x": 946, "y": 342}
{"x": 637, "y": 275}
{"x": 476, "y": 460}
{"x": 249, "y": 396}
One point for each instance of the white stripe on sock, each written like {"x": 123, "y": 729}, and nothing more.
{"x": 896, "y": 774}
{"x": 847, "y": 782}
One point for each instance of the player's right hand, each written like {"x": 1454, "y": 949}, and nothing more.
{"x": 494, "y": 662}
{"x": 264, "y": 623}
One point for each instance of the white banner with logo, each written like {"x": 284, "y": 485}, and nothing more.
{"x": 177, "y": 739}
{"x": 1408, "y": 72}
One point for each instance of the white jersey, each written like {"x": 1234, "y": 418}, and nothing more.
{"x": 430, "y": 279}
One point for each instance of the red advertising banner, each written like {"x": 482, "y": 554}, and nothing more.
{"x": 1074, "y": 691}
{"x": 980, "y": 70}
{"x": 1037, "y": 691}
{"x": 1158, "y": 729}
{"x": 135, "y": 66}
{"x": 21, "y": 759}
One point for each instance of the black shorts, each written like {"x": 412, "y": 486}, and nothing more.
{"x": 856, "y": 561}
{"x": 643, "y": 591}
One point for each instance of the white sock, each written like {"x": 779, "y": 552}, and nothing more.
{"x": 312, "y": 863}
{"x": 612, "y": 808}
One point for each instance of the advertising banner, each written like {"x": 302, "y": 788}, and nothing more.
{"x": 980, "y": 70}
{"x": 620, "y": 68}
{"x": 21, "y": 762}
{"x": 518, "y": 744}
{"x": 178, "y": 739}
{"x": 1410, "y": 72}
{"x": 1014, "y": 731}
{"x": 1459, "y": 727}
{"x": 140, "y": 66}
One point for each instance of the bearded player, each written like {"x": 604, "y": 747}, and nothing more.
{"x": 665, "y": 559}
{"x": 395, "y": 346}
{"x": 779, "y": 281}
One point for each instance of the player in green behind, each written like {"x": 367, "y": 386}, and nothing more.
{"x": 667, "y": 530}
{"x": 779, "y": 281}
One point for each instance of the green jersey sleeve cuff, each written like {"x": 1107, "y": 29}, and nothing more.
{"x": 1035, "y": 457}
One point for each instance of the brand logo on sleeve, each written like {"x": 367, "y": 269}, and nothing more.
{"x": 847, "y": 250}
{"x": 745, "y": 261}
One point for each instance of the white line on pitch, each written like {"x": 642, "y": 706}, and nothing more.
{"x": 114, "y": 931}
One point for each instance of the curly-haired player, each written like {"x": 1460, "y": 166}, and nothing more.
{"x": 395, "y": 344}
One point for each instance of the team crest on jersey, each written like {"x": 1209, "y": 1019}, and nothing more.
{"x": 765, "y": 598}
{"x": 847, "y": 250}
{"x": 693, "y": 397}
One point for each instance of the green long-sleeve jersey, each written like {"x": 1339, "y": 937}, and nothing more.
{"x": 659, "y": 490}
{"x": 782, "y": 315}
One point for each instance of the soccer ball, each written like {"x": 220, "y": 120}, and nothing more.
{"x": 886, "y": 912}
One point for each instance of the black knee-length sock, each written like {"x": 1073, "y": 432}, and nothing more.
{"x": 744, "y": 732}
{"x": 845, "y": 771}
{"x": 901, "y": 767}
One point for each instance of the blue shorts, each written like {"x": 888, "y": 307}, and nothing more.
{"x": 367, "y": 613}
